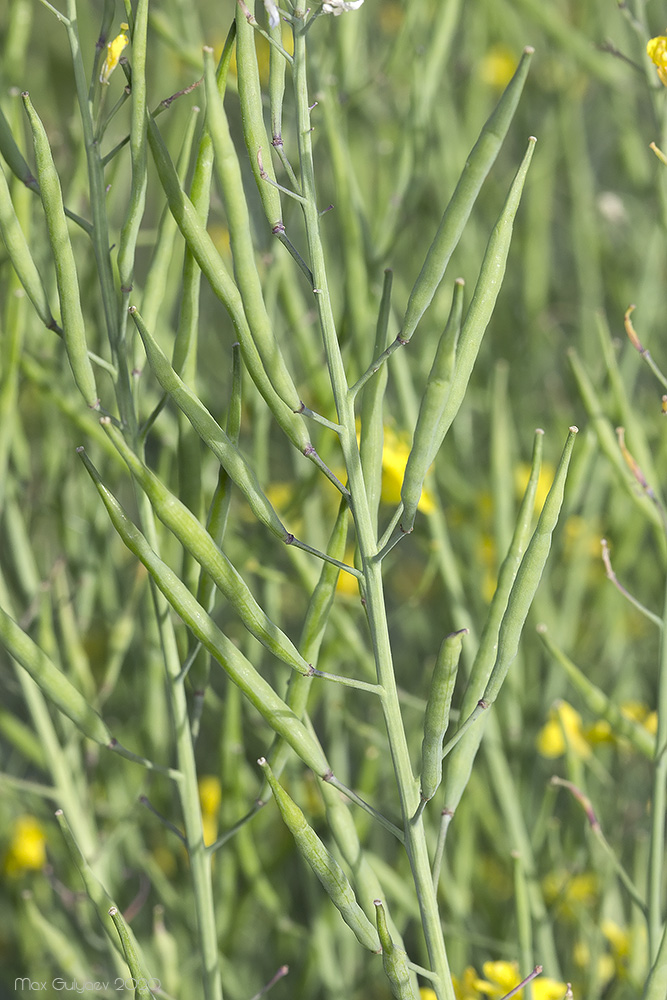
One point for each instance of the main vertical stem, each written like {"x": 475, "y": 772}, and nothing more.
{"x": 415, "y": 841}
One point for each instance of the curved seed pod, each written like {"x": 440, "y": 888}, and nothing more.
{"x": 483, "y": 301}
{"x": 394, "y": 960}
{"x": 371, "y": 435}
{"x": 240, "y": 234}
{"x": 53, "y": 683}
{"x": 129, "y": 946}
{"x": 20, "y": 256}
{"x": 478, "y": 164}
{"x": 68, "y": 283}
{"x": 529, "y": 575}
{"x": 461, "y": 758}
{"x": 254, "y": 129}
{"x": 203, "y": 250}
{"x": 13, "y": 155}
{"x": 436, "y": 718}
{"x": 323, "y": 864}
{"x": 211, "y": 433}
{"x": 270, "y": 705}
{"x": 196, "y": 539}
{"x": 431, "y": 409}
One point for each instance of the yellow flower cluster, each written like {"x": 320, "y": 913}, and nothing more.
{"x": 499, "y": 979}
{"x": 565, "y": 730}
{"x": 657, "y": 53}
{"x": 27, "y": 847}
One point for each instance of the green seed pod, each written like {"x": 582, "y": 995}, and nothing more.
{"x": 483, "y": 302}
{"x": 436, "y": 718}
{"x": 461, "y": 758}
{"x": 196, "y": 539}
{"x": 252, "y": 117}
{"x": 129, "y": 946}
{"x": 203, "y": 250}
{"x": 477, "y": 166}
{"x": 20, "y": 256}
{"x": 240, "y": 234}
{"x": 529, "y": 575}
{"x": 68, "y": 283}
{"x": 211, "y": 433}
{"x": 260, "y": 694}
{"x": 53, "y": 683}
{"x": 371, "y": 435}
{"x": 431, "y": 410}
{"x": 323, "y": 864}
{"x": 394, "y": 960}
{"x": 13, "y": 155}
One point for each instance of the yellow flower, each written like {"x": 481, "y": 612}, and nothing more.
{"x": 570, "y": 892}
{"x": 605, "y": 963}
{"x": 426, "y": 993}
{"x": 210, "y": 794}
{"x": 618, "y": 938}
{"x": 657, "y": 53}
{"x": 563, "y": 730}
{"x": 27, "y": 847}
{"x": 640, "y": 713}
{"x": 347, "y": 585}
{"x": 114, "y": 50}
{"x": 464, "y": 988}
{"x": 395, "y": 454}
{"x": 501, "y": 977}
{"x": 497, "y": 67}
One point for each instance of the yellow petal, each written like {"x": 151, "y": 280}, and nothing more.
{"x": 114, "y": 51}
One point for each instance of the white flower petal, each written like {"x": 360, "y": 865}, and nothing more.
{"x": 272, "y": 11}
{"x": 337, "y": 7}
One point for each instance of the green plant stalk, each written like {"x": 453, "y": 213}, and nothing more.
{"x": 14, "y": 316}
{"x": 74, "y": 331}
{"x": 324, "y": 865}
{"x": 196, "y": 539}
{"x": 371, "y": 437}
{"x": 609, "y": 445}
{"x": 394, "y": 960}
{"x": 228, "y": 170}
{"x": 408, "y": 789}
{"x": 460, "y": 761}
{"x": 21, "y": 258}
{"x": 53, "y": 682}
{"x": 100, "y": 228}
{"x": 656, "y": 984}
{"x": 137, "y": 201}
{"x": 258, "y": 691}
{"x": 129, "y": 947}
{"x": 656, "y": 922}
{"x": 208, "y": 258}
{"x": 200, "y": 864}
{"x": 252, "y": 114}
{"x": 477, "y": 166}
{"x": 483, "y": 302}
{"x": 438, "y": 386}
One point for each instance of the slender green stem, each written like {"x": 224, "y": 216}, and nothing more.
{"x": 408, "y": 789}
{"x": 658, "y": 806}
